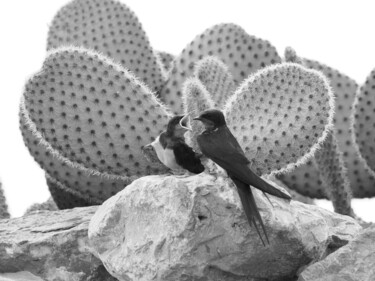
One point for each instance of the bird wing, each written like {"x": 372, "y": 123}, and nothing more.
{"x": 223, "y": 148}
{"x": 187, "y": 158}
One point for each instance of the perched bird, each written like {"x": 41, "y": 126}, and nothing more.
{"x": 217, "y": 143}
{"x": 172, "y": 150}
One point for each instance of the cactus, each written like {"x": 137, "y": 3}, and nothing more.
{"x": 49, "y": 205}
{"x": 89, "y": 188}
{"x": 166, "y": 61}
{"x": 242, "y": 53}
{"x": 196, "y": 99}
{"x": 67, "y": 198}
{"x": 333, "y": 174}
{"x": 111, "y": 28}
{"x": 216, "y": 78}
{"x": 93, "y": 116}
{"x": 280, "y": 115}
{"x": 306, "y": 179}
{"x": 4, "y": 214}
{"x": 85, "y": 118}
{"x": 291, "y": 79}
{"x": 363, "y": 121}
{"x": 290, "y": 55}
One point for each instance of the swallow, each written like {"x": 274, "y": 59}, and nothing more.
{"x": 218, "y": 143}
{"x": 172, "y": 150}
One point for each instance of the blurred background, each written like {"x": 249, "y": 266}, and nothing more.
{"x": 337, "y": 33}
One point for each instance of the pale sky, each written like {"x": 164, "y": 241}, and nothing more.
{"x": 337, "y": 33}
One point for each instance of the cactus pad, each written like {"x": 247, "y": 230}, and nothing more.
{"x": 364, "y": 123}
{"x": 290, "y": 55}
{"x": 109, "y": 27}
{"x": 90, "y": 117}
{"x": 166, "y": 61}
{"x": 305, "y": 178}
{"x": 333, "y": 174}
{"x": 216, "y": 78}
{"x": 48, "y": 205}
{"x": 4, "y": 214}
{"x": 67, "y": 198}
{"x": 196, "y": 99}
{"x": 242, "y": 53}
{"x": 280, "y": 115}
{"x": 93, "y": 187}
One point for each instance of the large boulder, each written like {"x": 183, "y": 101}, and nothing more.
{"x": 353, "y": 262}
{"x": 52, "y": 245}
{"x": 193, "y": 228}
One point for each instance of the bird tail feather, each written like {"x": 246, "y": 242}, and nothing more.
{"x": 250, "y": 208}
{"x": 264, "y": 186}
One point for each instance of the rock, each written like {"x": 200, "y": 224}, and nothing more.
{"x": 19, "y": 276}
{"x": 193, "y": 228}
{"x": 353, "y": 262}
{"x": 50, "y": 244}
{"x": 100, "y": 274}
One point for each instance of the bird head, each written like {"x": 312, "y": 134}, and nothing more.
{"x": 178, "y": 125}
{"x": 211, "y": 119}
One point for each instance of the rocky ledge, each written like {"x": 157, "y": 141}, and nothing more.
{"x": 193, "y": 228}
{"x": 353, "y": 262}
{"x": 48, "y": 245}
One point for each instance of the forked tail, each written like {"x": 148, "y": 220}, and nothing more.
{"x": 250, "y": 208}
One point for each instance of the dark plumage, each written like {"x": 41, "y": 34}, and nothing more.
{"x": 218, "y": 144}
{"x": 172, "y": 150}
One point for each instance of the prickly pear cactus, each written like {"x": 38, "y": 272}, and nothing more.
{"x": 90, "y": 117}
{"x": 111, "y": 28}
{"x": 87, "y": 188}
{"x": 280, "y": 115}
{"x": 305, "y": 178}
{"x": 333, "y": 174}
{"x": 216, "y": 78}
{"x": 67, "y": 198}
{"x": 290, "y": 55}
{"x": 364, "y": 123}
{"x": 196, "y": 99}
{"x": 48, "y": 205}
{"x": 4, "y": 214}
{"x": 166, "y": 61}
{"x": 242, "y": 53}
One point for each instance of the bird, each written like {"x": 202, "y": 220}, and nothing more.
{"x": 172, "y": 150}
{"x": 218, "y": 144}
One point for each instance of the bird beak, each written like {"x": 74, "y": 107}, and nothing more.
{"x": 197, "y": 119}
{"x": 187, "y": 119}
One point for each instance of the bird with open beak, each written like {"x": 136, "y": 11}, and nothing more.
{"x": 217, "y": 143}
{"x": 172, "y": 150}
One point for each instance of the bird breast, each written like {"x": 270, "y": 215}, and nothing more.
{"x": 166, "y": 156}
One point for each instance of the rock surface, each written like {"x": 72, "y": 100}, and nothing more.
{"x": 19, "y": 276}
{"x": 193, "y": 228}
{"x": 50, "y": 244}
{"x": 353, "y": 262}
